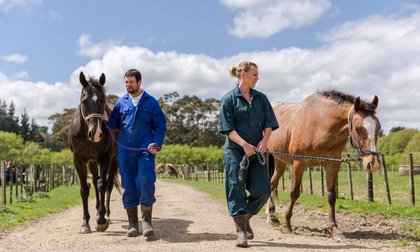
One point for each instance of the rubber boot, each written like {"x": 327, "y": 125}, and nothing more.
{"x": 146, "y": 220}
{"x": 240, "y": 223}
{"x": 133, "y": 222}
{"x": 249, "y": 232}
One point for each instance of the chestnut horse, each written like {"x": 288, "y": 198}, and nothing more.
{"x": 320, "y": 126}
{"x": 92, "y": 145}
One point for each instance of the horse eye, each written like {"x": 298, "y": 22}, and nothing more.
{"x": 358, "y": 131}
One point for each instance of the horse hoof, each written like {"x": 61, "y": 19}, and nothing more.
{"x": 286, "y": 230}
{"x": 102, "y": 227}
{"x": 273, "y": 221}
{"x": 85, "y": 230}
{"x": 337, "y": 234}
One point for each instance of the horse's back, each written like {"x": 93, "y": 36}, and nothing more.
{"x": 303, "y": 127}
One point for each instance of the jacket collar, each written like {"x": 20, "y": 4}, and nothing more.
{"x": 237, "y": 92}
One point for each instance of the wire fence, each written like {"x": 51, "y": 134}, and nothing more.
{"x": 389, "y": 186}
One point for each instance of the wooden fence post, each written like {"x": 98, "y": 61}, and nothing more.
{"x": 10, "y": 182}
{"x": 310, "y": 180}
{"x": 350, "y": 178}
{"x": 411, "y": 173}
{"x": 388, "y": 193}
{"x": 321, "y": 170}
{"x": 3, "y": 181}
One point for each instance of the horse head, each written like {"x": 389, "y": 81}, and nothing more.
{"x": 92, "y": 105}
{"x": 364, "y": 130}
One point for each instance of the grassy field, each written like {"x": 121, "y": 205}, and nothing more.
{"x": 41, "y": 204}
{"x": 399, "y": 185}
{"x": 311, "y": 202}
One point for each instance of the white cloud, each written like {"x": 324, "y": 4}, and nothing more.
{"x": 263, "y": 18}
{"x": 22, "y": 75}
{"x": 54, "y": 15}
{"x": 92, "y": 50}
{"x": 7, "y": 5}
{"x": 361, "y": 65}
{"x": 15, "y": 58}
{"x": 39, "y": 98}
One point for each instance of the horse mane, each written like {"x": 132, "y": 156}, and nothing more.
{"x": 341, "y": 98}
{"x": 95, "y": 83}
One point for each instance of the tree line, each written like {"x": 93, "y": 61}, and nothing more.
{"x": 23, "y": 126}
{"x": 192, "y": 127}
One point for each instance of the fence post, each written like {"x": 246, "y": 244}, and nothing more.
{"x": 388, "y": 193}
{"x": 350, "y": 178}
{"x": 310, "y": 180}
{"x": 369, "y": 178}
{"x": 411, "y": 173}
{"x": 321, "y": 170}
{"x": 208, "y": 173}
{"x": 3, "y": 181}
{"x": 10, "y": 182}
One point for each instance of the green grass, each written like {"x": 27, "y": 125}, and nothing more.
{"x": 314, "y": 202}
{"x": 41, "y": 204}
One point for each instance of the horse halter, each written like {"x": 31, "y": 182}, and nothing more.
{"x": 353, "y": 140}
{"x": 93, "y": 115}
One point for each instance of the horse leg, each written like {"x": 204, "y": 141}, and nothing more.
{"x": 104, "y": 164}
{"x": 332, "y": 173}
{"x": 298, "y": 169}
{"x": 84, "y": 193}
{"x": 113, "y": 169}
{"x": 270, "y": 211}
{"x": 93, "y": 168}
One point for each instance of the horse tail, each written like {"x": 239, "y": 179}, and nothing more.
{"x": 117, "y": 184}
{"x": 271, "y": 166}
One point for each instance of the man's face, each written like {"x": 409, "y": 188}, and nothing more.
{"x": 133, "y": 87}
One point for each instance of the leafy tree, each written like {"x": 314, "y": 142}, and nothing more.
{"x": 64, "y": 157}
{"x": 13, "y": 121}
{"x": 24, "y": 131}
{"x": 33, "y": 153}
{"x": 414, "y": 144}
{"x": 58, "y": 140}
{"x": 396, "y": 129}
{"x": 11, "y": 146}
{"x": 191, "y": 120}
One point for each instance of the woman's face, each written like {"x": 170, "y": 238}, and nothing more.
{"x": 251, "y": 77}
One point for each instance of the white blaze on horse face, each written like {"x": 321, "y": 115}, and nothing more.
{"x": 370, "y": 125}
{"x": 98, "y": 132}
{"x": 94, "y": 98}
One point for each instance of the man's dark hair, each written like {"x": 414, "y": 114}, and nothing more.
{"x": 133, "y": 73}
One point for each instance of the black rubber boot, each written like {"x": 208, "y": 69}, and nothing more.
{"x": 133, "y": 222}
{"x": 146, "y": 220}
{"x": 240, "y": 223}
{"x": 249, "y": 232}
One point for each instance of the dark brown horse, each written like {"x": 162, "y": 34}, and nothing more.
{"x": 320, "y": 126}
{"x": 92, "y": 145}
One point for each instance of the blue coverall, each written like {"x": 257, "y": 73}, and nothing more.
{"x": 249, "y": 121}
{"x": 139, "y": 126}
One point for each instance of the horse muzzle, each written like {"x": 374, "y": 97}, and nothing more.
{"x": 371, "y": 163}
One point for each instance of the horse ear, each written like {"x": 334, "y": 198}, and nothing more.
{"x": 357, "y": 104}
{"x": 375, "y": 102}
{"x": 102, "y": 79}
{"x": 83, "y": 80}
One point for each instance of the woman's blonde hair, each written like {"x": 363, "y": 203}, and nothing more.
{"x": 243, "y": 66}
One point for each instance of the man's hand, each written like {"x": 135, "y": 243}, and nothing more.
{"x": 153, "y": 148}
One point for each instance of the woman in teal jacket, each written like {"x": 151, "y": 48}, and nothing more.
{"x": 247, "y": 119}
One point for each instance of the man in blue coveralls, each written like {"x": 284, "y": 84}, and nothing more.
{"x": 142, "y": 126}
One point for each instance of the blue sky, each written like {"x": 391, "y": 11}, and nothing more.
{"x": 364, "y": 48}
